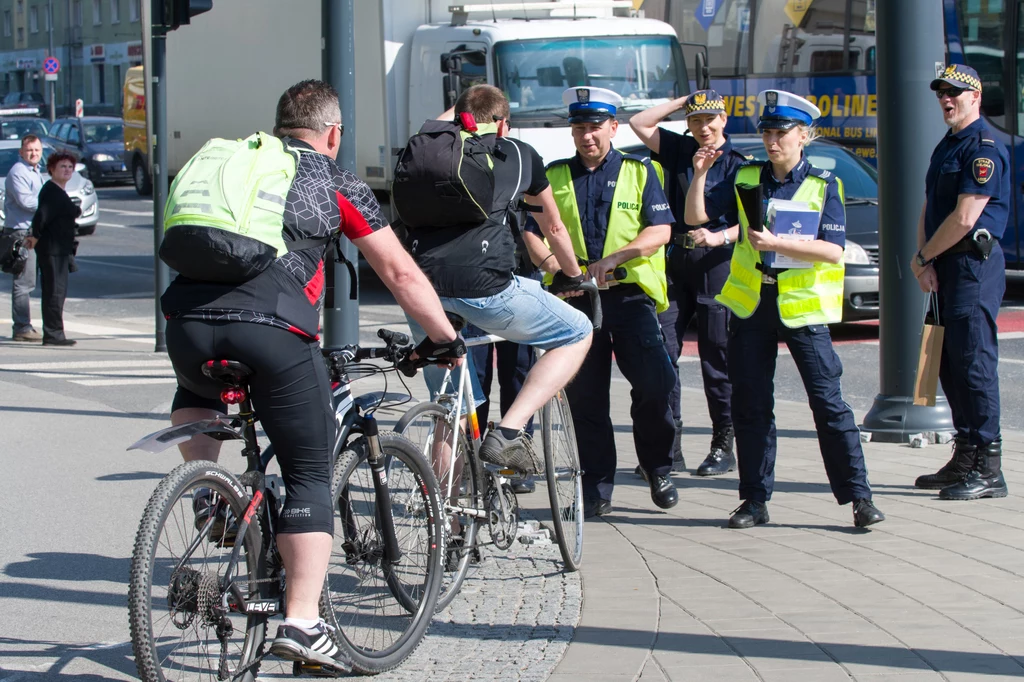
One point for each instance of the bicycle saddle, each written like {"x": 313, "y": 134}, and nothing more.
{"x": 458, "y": 322}
{"x": 228, "y": 372}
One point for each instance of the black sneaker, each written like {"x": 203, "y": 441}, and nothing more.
{"x": 314, "y": 647}
{"x": 224, "y": 529}
{"x": 516, "y": 453}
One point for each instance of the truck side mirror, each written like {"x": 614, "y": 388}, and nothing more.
{"x": 701, "y": 75}
{"x": 451, "y": 63}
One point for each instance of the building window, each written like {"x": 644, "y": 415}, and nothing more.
{"x": 115, "y": 11}
{"x": 76, "y": 13}
{"x": 21, "y": 6}
{"x": 7, "y": 24}
{"x": 46, "y": 20}
{"x": 97, "y": 13}
{"x": 99, "y": 85}
{"x": 21, "y": 34}
{"x": 134, "y": 10}
{"x": 33, "y": 19}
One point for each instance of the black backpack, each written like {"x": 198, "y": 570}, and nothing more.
{"x": 445, "y": 175}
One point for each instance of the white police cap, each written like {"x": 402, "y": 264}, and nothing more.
{"x": 591, "y": 105}
{"x": 782, "y": 110}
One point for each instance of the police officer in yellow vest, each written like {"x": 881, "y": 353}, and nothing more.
{"x": 615, "y": 210}
{"x": 781, "y": 287}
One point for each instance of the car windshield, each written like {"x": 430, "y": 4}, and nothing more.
{"x": 103, "y": 132}
{"x": 9, "y": 157}
{"x": 15, "y": 130}
{"x": 642, "y": 69}
{"x": 860, "y": 180}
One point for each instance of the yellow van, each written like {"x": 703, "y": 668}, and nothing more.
{"x": 136, "y": 148}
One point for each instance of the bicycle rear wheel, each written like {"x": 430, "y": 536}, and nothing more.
{"x": 565, "y": 480}
{"x": 420, "y": 425}
{"x": 174, "y": 595}
{"x": 374, "y": 628}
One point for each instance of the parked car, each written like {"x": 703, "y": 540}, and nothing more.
{"x": 15, "y": 128}
{"x": 98, "y": 141}
{"x": 79, "y": 188}
{"x": 860, "y": 183}
{"x": 22, "y": 104}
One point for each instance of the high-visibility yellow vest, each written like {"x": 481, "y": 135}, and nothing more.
{"x": 806, "y": 295}
{"x": 624, "y": 223}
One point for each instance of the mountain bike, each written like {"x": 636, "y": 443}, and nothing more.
{"x": 206, "y": 574}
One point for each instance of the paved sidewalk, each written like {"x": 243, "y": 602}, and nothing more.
{"x": 934, "y": 593}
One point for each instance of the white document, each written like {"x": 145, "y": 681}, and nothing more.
{"x": 795, "y": 221}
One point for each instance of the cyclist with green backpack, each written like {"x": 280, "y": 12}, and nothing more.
{"x": 248, "y": 225}
{"x": 458, "y": 187}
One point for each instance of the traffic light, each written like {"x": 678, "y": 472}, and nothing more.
{"x": 173, "y": 13}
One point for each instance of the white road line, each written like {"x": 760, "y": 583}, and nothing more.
{"x": 160, "y": 372}
{"x": 120, "y": 212}
{"x": 112, "y": 225}
{"x": 107, "y": 264}
{"x": 122, "y": 382}
{"x": 85, "y": 364}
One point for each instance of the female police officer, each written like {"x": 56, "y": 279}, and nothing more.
{"x": 799, "y": 303}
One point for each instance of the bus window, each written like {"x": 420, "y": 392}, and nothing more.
{"x": 727, "y": 35}
{"x": 981, "y": 30}
{"x": 802, "y": 37}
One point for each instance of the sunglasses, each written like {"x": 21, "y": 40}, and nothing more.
{"x": 951, "y": 92}
{"x": 341, "y": 126}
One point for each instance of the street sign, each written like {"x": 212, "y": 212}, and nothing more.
{"x": 51, "y": 65}
{"x": 79, "y": 108}
{"x": 50, "y": 76}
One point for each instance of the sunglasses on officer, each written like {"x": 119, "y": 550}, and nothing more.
{"x": 953, "y": 93}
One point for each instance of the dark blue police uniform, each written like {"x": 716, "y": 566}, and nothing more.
{"x": 631, "y": 331}
{"x": 695, "y": 276}
{"x": 753, "y": 350}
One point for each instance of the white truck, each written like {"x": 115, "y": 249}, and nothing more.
{"x": 413, "y": 57}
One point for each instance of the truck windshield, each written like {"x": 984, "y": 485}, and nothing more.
{"x": 643, "y": 69}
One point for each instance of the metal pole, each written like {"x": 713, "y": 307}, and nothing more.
{"x": 53, "y": 84}
{"x": 909, "y": 41}
{"x": 341, "y": 313}
{"x": 161, "y": 272}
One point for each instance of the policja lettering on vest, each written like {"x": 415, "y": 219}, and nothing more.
{"x": 613, "y": 225}
{"x": 794, "y": 305}
{"x": 967, "y": 205}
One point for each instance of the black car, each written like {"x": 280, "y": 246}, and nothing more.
{"x": 860, "y": 183}
{"x": 22, "y": 104}
{"x": 17, "y": 127}
{"x": 98, "y": 141}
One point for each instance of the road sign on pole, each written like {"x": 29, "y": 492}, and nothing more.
{"x": 79, "y": 108}
{"x": 51, "y": 65}
{"x": 50, "y": 76}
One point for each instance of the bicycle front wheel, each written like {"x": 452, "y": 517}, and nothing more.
{"x": 179, "y": 628}
{"x": 427, "y": 425}
{"x": 565, "y": 480}
{"x": 374, "y": 628}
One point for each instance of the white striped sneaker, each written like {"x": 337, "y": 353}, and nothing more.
{"x": 314, "y": 646}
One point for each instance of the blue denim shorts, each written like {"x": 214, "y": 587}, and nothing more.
{"x": 523, "y": 312}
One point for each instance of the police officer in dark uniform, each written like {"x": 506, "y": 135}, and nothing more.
{"x": 617, "y": 215}
{"x": 698, "y": 260}
{"x": 967, "y": 205}
{"x": 784, "y": 287}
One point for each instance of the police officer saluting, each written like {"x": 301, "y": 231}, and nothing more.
{"x": 966, "y": 208}
{"x": 791, "y": 303}
{"x": 616, "y": 213}
{"x": 698, "y": 259}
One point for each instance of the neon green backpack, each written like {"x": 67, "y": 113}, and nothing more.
{"x": 224, "y": 217}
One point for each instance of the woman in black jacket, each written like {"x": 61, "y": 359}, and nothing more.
{"x": 53, "y": 237}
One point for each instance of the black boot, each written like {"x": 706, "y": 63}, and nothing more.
{"x": 749, "y": 514}
{"x": 985, "y": 479}
{"x": 720, "y": 460}
{"x": 678, "y": 461}
{"x": 955, "y": 469}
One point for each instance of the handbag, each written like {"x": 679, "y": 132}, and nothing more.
{"x": 13, "y": 254}
{"x": 927, "y": 382}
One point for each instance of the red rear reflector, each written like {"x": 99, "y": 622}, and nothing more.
{"x": 223, "y": 363}
{"x": 232, "y": 396}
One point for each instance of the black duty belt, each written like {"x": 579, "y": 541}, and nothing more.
{"x": 980, "y": 243}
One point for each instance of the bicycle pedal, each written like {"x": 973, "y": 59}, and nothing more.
{"x": 300, "y": 669}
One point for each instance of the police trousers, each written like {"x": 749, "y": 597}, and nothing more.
{"x": 695, "y": 276}
{"x": 753, "y": 350}
{"x": 970, "y": 292}
{"x": 630, "y": 332}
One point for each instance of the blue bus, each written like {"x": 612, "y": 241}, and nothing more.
{"x": 825, "y": 51}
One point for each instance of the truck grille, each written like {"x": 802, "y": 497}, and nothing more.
{"x": 872, "y": 252}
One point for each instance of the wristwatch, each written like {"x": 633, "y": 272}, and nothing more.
{"x": 725, "y": 235}
{"x": 921, "y": 262}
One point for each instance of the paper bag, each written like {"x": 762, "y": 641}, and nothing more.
{"x": 927, "y": 383}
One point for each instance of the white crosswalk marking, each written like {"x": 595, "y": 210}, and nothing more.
{"x": 98, "y": 373}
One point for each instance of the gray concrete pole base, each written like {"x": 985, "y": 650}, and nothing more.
{"x": 896, "y": 419}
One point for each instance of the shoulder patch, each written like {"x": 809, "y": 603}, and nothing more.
{"x": 751, "y": 161}
{"x": 637, "y": 157}
{"x": 982, "y": 168}
{"x": 821, "y": 173}
{"x": 987, "y": 143}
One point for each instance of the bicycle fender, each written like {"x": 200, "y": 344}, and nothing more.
{"x": 159, "y": 441}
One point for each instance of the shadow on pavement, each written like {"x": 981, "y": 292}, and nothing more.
{"x": 117, "y": 658}
{"x": 132, "y": 476}
{"x": 88, "y": 413}
{"x": 69, "y": 566}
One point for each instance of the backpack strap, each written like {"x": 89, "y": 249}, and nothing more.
{"x": 353, "y": 292}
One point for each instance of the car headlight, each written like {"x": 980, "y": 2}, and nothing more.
{"x": 102, "y": 157}
{"x": 854, "y": 254}
{"x": 88, "y": 189}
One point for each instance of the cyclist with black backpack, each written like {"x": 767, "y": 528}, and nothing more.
{"x": 458, "y": 186}
{"x": 248, "y": 227}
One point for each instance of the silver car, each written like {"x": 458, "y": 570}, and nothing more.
{"x": 79, "y": 188}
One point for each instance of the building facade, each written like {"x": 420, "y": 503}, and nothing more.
{"x": 96, "y": 42}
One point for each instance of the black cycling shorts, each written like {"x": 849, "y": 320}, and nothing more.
{"x": 291, "y": 393}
